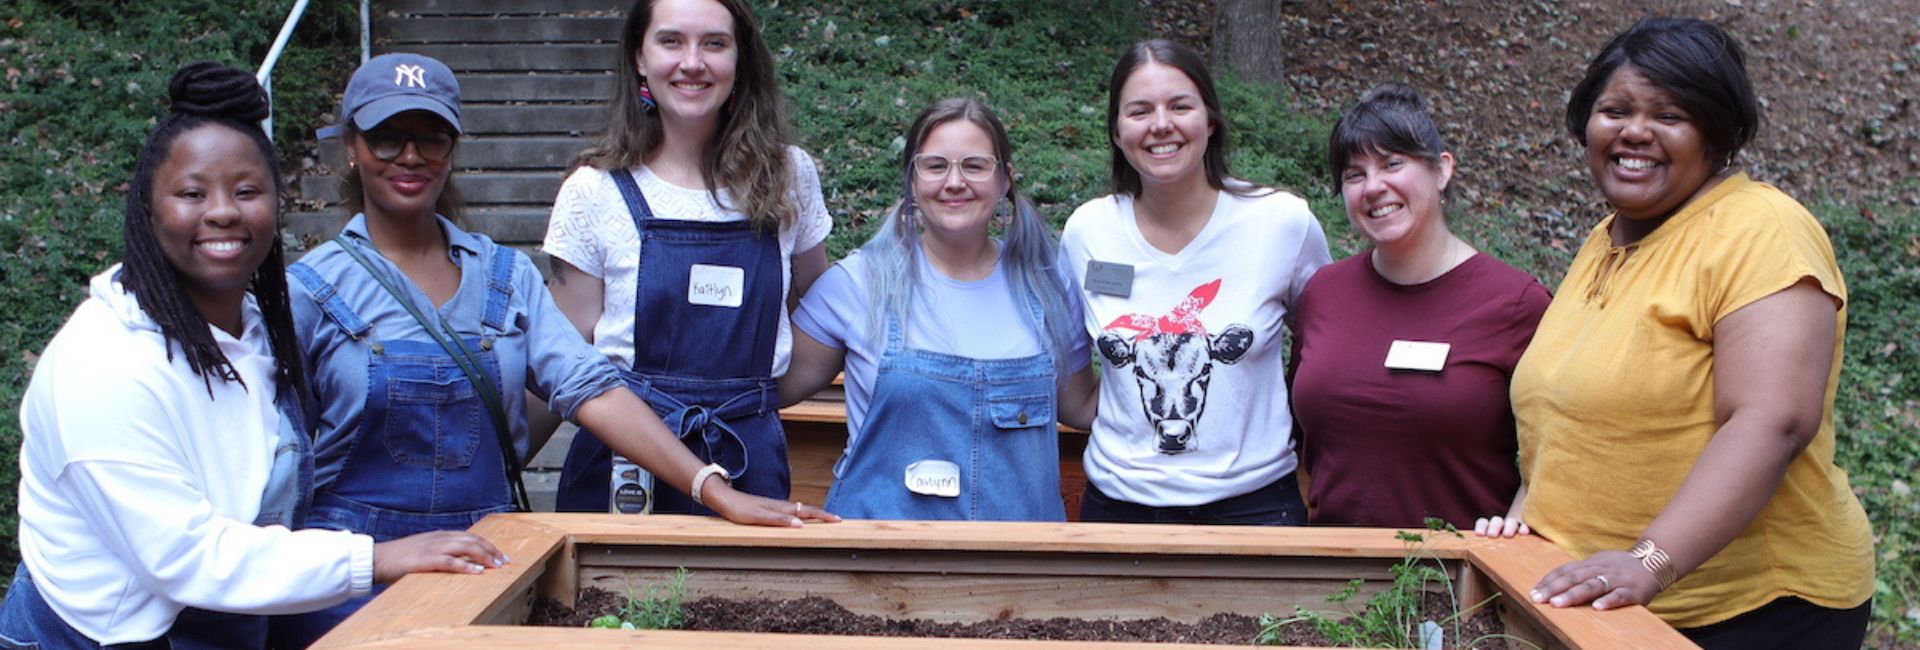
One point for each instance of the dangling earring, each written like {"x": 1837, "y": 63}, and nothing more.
{"x": 909, "y": 223}
{"x": 646, "y": 96}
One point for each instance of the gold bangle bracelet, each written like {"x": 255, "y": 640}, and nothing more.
{"x": 1656, "y": 561}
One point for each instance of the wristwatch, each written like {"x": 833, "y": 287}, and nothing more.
{"x": 700, "y": 478}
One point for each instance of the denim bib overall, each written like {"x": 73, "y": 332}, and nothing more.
{"x": 992, "y": 418}
{"x": 706, "y": 370}
{"x": 425, "y": 456}
{"x": 27, "y": 621}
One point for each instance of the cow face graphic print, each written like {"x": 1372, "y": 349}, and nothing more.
{"x": 1172, "y": 358}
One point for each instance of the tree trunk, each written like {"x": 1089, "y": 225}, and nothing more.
{"x": 1246, "y": 39}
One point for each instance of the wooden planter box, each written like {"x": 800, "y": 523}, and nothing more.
{"x": 950, "y": 571}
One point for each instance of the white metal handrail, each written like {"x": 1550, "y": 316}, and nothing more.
{"x": 265, "y": 75}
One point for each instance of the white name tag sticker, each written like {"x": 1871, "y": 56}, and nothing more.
{"x": 716, "y": 286}
{"x": 934, "y": 478}
{"x": 1425, "y": 356}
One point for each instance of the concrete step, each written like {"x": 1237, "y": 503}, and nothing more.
{"x": 465, "y": 29}
{"x": 480, "y": 188}
{"x": 501, "y": 7}
{"x": 589, "y": 86}
{"x": 504, "y": 225}
{"x": 518, "y": 57}
{"x": 532, "y": 119}
{"x": 502, "y": 153}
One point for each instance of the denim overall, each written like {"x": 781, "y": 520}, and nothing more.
{"x": 425, "y": 457}
{"x": 706, "y": 370}
{"x": 992, "y": 418}
{"x": 27, "y": 621}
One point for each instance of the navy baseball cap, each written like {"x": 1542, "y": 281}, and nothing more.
{"x": 391, "y": 84}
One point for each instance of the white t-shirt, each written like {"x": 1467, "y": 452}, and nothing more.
{"x": 138, "y": 488}
{"x": 977, "y": 320}
{"x": 1201, "y": 331}
{"x": 592, "y": 230}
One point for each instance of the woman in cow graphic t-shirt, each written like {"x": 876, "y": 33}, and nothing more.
{"x": 1189, "y": 275}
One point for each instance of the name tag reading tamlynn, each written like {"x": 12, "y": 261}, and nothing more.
{"x": 934, "y": 478}
{"x": 716, "y": 286}
{"x": 1424, "y": 356}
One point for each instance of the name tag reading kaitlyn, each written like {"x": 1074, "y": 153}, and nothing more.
{"x": 1424, "y": 356}
{"x": 1110, "y": 278}
{"x": 934, "y": 478}
{"x": 716, "y": 286}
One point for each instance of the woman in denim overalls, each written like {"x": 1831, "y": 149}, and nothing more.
{"x": 165, "y": 454}
{"x": 676, "y": 239}
{"x": 960, "y": 350}
{"x": 413, "y": 325}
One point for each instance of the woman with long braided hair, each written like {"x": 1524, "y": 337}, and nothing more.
{"x": 165, "y": 452}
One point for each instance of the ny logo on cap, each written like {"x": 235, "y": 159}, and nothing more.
{"x": 410, "y": 75}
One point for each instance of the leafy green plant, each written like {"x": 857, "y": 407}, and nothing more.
{"x": 1393, "y": 617}
{"x": 1877, "y": 408}
{"x": 650, "y": 610}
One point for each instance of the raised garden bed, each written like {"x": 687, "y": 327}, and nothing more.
{"x": 949, "y": 571}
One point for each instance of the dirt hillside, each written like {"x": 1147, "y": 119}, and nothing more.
{"x": 1837, "y": 80}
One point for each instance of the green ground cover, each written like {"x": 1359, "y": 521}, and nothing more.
{"x": 76, "y": 102}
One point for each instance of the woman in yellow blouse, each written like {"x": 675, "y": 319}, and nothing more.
{"x": 1675, "y": 408}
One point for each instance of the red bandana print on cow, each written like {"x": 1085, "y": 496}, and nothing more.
{"x": 1172, "y": 358}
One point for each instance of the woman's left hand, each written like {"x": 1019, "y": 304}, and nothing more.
{"x": 1608, "y": 579}
{"x": 742, "y": 508}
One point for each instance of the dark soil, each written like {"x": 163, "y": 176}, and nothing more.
{"x": 816, "y": 615}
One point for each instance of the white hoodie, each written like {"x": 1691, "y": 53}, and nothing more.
{"x": 137, "y": 487}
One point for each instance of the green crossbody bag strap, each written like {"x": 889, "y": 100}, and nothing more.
{"x": 449, "y": 340}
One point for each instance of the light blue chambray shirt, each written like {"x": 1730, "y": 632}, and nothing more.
{"x": 558, "y": 364}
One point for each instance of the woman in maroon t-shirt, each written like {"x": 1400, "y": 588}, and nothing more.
{"x": 1403, "y": 351}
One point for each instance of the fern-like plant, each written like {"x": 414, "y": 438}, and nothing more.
{"x": 650, "y": 610}
{"x": 1392, "y": 618}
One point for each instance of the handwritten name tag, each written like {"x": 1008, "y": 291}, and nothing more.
{"x": 936, "y": 478}
{"x": 1110, "y": 278}
{"x": 716, "y": 286}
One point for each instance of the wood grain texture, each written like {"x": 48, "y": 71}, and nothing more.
{"x": 1516, "y": 564}
{"x": 949, "y": 571}
{"x": 549, "y": 638}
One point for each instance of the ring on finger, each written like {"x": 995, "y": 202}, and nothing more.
{"x": 1605, "y": 585}
{"x": 798, "y": 507}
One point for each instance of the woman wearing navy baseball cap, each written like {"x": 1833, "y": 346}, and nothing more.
{"x": 424, "y": 340}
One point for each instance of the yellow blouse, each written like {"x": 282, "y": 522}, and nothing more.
{"x": 1614, "y": 401}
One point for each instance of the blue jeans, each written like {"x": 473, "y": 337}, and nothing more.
{"x": 1277, "y": 504}
{"x": 27, "y": 621}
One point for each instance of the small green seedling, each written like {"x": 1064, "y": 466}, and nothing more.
{"x": 1393, "y": 617}
{"x": 650, "y": 610}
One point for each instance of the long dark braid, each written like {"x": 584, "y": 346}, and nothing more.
{"x": 206, "y": 93}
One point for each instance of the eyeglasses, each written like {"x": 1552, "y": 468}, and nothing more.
{"x": 387, "y": 145}
{"x": 930, "y": 167}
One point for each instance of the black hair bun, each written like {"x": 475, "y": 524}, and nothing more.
{"x": 214, "y": 89}
{"x": 1396, "y": 94}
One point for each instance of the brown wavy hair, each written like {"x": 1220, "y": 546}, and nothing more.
{"x": 748, "y": 155}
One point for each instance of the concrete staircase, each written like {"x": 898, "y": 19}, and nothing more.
{"x": 533, "y": 77}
